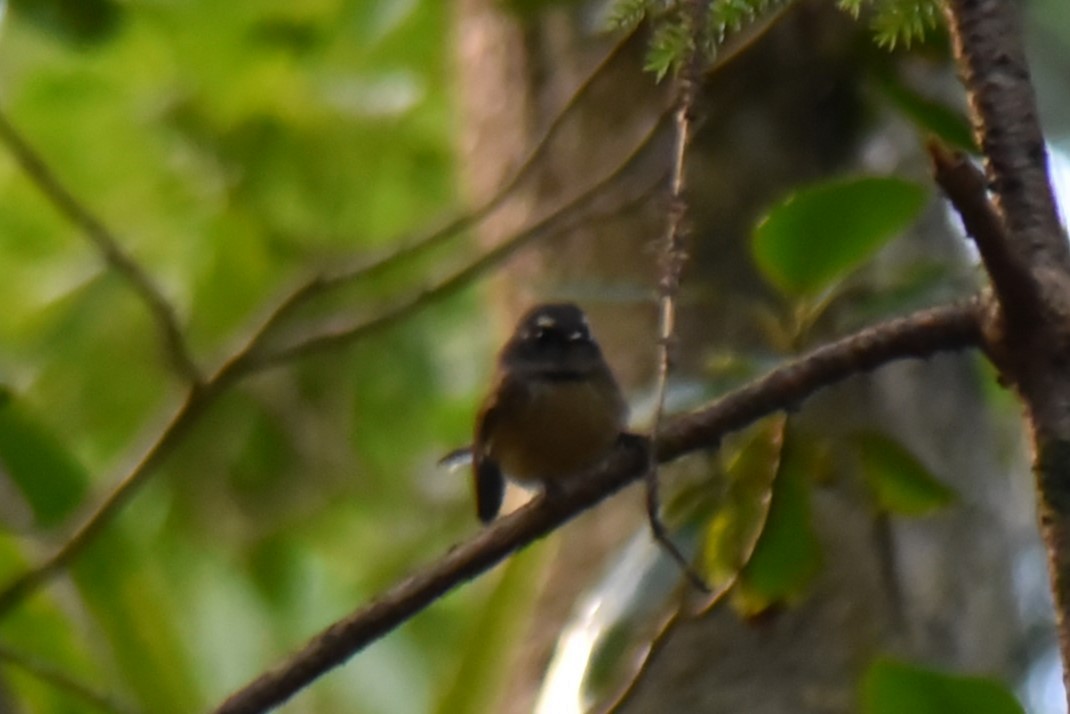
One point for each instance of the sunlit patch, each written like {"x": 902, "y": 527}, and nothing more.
{"x": 1059, "y": 170}
{"x": 1059, "y": 175}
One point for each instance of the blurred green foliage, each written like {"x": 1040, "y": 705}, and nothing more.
{"x": 891, "y": 687}
{"x": 901, "y": 484}
{"x": 820, "y": 233}
{"x": 234, "y": 148}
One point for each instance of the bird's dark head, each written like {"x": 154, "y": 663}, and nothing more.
{"x": 553, "y": 341}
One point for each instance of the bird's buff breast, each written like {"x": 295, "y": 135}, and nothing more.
{"x": 560, "y": 429}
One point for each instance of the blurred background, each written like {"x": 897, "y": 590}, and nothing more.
{"x": 237, "y": 149}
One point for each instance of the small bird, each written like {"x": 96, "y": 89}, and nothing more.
{"x": 555, "y": 408}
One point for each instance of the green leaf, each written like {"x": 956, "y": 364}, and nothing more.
{"x": 824, "y": 231}
{"x": 891, "y": 687}
{"x": 730, "y": 535}
{"x": 45, "y": 472}
{"x": 788, "y": 554}
{"x": 900, "y": 483}
{"x": 931, "y": 116}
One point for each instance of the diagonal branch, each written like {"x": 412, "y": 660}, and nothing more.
{"x": 162, "y": 312}
{"x": 922, "y": 334}
{"x": 562, "y": 219}
{"x": 416, "y": 246}
{"x": 964, "y": 185}
{"x": 249, "y": 359}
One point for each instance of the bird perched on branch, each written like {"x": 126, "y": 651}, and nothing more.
{"x": 555, "y": 408}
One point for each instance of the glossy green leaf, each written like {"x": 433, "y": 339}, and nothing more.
{"x": 892, "y": 687}
{"x": 45, "y": 472}
{"x": 730, "y": 534}
{"x": 787, "y": 555}
{"x": 900, "y": 483}
{"x": 823, "y": 232}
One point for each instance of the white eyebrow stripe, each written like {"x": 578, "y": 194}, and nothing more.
{"x": 545, "y": 321}
{"x": 577, "y": 335}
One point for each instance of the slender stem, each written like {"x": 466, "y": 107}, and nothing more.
{"x": 562, "y": 219}
{"x": 419, "y": 245}
{"x": 107, "y": 245}
{"x": 673, "y": 258}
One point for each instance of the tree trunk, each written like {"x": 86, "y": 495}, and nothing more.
{"x": 790, "y": 107}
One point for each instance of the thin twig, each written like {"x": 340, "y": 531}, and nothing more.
{"x": 561, "y": 219}
{"x": 52, "y": 675}
{"x": 248, "y": 360}
{"x": 674, "y": 256}
{"x": 416, "y": 246}
{"x": 922, "y": 334}
{"x": 196, "y": 402}
{"x": 162, "y": 312}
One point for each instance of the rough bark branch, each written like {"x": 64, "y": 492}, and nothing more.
{"x": 964, "y": 185}
{"x": 922, "y": 334}
{"x": 1028, "y": 332}
{"x": 991, "y": 57}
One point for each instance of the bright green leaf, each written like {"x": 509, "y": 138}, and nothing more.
{"x": 824, "y": 231}
{"x": 899, "y": 481}
{"x": 730, "y": 535}
{"x": 891, "y": 687}
{"x": 45, "y": 472}
{"x": 787, "y": 555}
